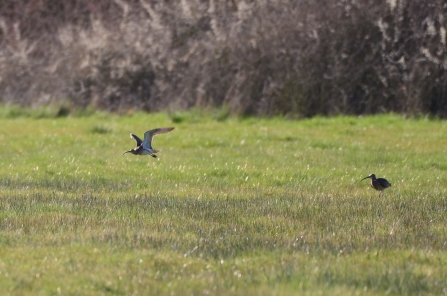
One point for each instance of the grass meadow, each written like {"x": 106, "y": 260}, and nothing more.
{"x": 232, "y": 206}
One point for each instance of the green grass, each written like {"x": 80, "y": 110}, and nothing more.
{"x": 230, "y": 207}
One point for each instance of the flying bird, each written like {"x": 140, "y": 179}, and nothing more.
{"x": 145, "y": 147}
{"x": 379, "y": 184}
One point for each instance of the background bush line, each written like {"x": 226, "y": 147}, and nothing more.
{"x": 296, "y": 58}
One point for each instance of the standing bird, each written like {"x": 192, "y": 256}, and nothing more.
{"x": 378, "y": 183}
{"x": 145, "y": 147}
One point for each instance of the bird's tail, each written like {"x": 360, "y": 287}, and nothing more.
{"x": 156, "y": 151}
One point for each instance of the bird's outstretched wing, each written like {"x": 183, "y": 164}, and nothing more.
{"x": 147, "y": 143}
{"x": 139, "y": 141}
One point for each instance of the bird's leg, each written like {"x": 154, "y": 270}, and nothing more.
{"x": 154, "y": 156}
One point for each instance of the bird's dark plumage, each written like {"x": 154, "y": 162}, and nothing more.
{"x": 379, "y": 184}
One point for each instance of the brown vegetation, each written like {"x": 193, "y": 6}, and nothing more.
{"x": 300, "y": 58}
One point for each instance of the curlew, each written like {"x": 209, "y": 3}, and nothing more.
{"x": 379, "y": 184}
{"x": 145, "y": 147}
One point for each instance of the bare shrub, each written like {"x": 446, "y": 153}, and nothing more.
{"x": 297, "y": 58}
